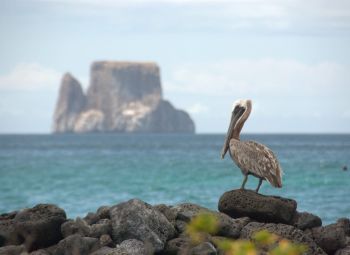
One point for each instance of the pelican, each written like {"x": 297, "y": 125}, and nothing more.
{"x": 251, "y": 157}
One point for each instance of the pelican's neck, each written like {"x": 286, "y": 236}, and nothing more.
{"x": 240, "y": 123}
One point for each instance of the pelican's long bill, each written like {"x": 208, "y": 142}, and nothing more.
{"x": 236, "y": 114}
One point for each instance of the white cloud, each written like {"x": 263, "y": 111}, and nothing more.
{"x": 197, "y": 108}
{"x": 30, "y": 76}
{"x": 269, "y": 77}
{"x": 312, "y": 16}
{"x": 288, "y": 95}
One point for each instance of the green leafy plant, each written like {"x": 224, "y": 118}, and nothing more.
{"x": 205, "y": 224}
{"x": 202, "y": 225}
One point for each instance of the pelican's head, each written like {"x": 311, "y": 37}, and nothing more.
{"x": 242, "y": 103}
{"x": 240, "y": 112}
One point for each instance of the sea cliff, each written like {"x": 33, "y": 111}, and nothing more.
{"x": 122, "y": 97}
{"x": 135, "y": 227}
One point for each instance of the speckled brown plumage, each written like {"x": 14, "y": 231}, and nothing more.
{"x": 251, "y": 157}
{"x": 256, "y": 159}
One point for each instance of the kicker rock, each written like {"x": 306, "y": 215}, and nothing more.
{"x": 71, "y": 102}
{"x": 124, "y": 97}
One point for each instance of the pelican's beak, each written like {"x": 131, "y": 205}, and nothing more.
{"x": 234, "y": 118}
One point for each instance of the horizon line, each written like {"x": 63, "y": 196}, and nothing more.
{"x": 179, "y": 133}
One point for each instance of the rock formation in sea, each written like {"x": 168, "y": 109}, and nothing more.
{"x": 137, "y": 228}
{"x": 122, "y": 97}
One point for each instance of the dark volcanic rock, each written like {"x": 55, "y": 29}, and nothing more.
{"x": 91, "y": 218}
{"x": 241, "y": 203}
{"x": 40, "y": 252}
{"x": 345, "y": 224}
{"x": 76, "y": 244}
{"x": 103, "y": 212}
{"x": 69, "y": 228}
{"x": 136, "y": 219}
{"x": 134, "y": 247}
{"x": 108, "y": 251}
{"x": 180, "y": 226}
{"x": 8, "y": 234}
{"x": 8, "y": 216}
{"x": 305, "y": 220}
{"x": 78, "y": 226}
{"x": 180, "y": 245}
{"x": 71, "y": 102}
{"x": 106, "y": 240}
{"x": 12, "y": 250}
{"x": 102, "y": 227}
{"x": 205, "y": 248}
{"x": 331, "y": 237}
{"x": 344, "y": 251}
{"x": 168, "y": 213}
{"x": 40, "y": 226}
{"x": 228, "y": 227}
{"x": 286, "y": 231}
{"x": 122, "y": 97}
{"x": 139, "y": 228}
{"x": 186, "y": 211}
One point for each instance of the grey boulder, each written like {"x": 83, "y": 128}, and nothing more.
{"x": 40, "y": 226}
{"x": 76, "y": 244}
{"x": 305, "y": 220}
{"x": 167, "y": 211}
{"x": 135, "y": 247}
{"x": 205, "y": 248}
{"x": 228, "y": 227}
{"x": 78, "y": 226}
{"x": 331, "y": 237}
{"x": 102, "y": 227}
{"x": 136, "y": 219}
{"x": 106, "y": 240}
{"x": 247, "y": 203}
{"x": 40, "y": 252}
{"x": 180, "y": 245}
{"x": 110, "y": 251}
{"x": 344, "y": 251}
{"x": 12, "y": 250}
{"x": 127, "y": 247}
{"x": 8, "y": 234}
{"x": 180, "y": 226}
{"x": 286, "y": 231}
{"x": 103, "y": 212}
{"x": 345, "y": 224}
{"x": 91, "y": 218}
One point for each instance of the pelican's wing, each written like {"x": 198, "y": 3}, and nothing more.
{"x": 260, "y": 160}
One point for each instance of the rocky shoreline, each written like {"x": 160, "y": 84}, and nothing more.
{"x": 135, "y": 227}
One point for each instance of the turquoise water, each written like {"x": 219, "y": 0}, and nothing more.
{"x": 82, "y": 172}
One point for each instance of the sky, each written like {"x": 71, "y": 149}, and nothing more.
{"x": 291, "y": 57}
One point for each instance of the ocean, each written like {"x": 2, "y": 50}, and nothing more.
{"x": 80, "y": 173}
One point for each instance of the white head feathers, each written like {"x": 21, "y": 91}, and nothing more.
{"x": 242, "y": 102}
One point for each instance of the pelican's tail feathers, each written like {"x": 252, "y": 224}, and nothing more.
{"x": 275, "y": 178}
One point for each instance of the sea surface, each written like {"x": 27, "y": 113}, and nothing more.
{"x": 83, "y": 172}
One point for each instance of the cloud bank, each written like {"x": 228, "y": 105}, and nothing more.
{"x": 296, "y": 16}
{"x": 30, "y": 76}
{"x": 294, "y": 94}
{"x": 268, "y": 77}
